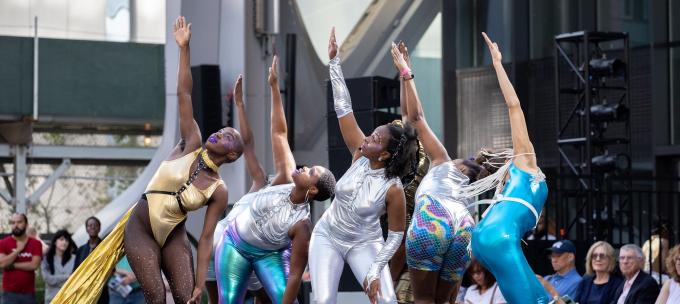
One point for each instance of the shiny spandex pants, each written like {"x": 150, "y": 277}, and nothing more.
{"x": 327, "y": 259}
{"x": 235, "y": 260}
{"x": 496, "y": 244}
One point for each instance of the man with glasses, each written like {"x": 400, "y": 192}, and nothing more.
{"x": 563, "y": 260}
{"x": 639, "y": 287}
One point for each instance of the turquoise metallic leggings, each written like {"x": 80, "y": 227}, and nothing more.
{"x": 496, "y": 244}
{"x": 235, "y": 260}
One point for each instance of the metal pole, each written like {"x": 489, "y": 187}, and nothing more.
{"x": 20, "y": 171}
{"x": 35, "y": 68}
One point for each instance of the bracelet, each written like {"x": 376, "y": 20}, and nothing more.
{"x": 410, "y": 76}
{"x": 405, "y": 72}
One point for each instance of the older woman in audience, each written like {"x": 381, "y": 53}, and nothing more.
{"x": 599, "y": 283}
{"x": 670, "y": 292}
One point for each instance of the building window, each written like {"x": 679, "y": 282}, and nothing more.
{"x": 475, "y": 16}
{"x": 547, "y": 19}
{"x": 108, "y": 20}
{"x": 320, "y": 16}
{"x": 631, "y": 16}
{"x": 426, "y": 58}
{"x": 675, "y": 94}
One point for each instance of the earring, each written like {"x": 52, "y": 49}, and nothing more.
{"x": 380, "y": 158}
{"x": 306, "y": 195}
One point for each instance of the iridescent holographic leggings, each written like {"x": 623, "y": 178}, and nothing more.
{"x": 438, "y": 238}
{"x": 235, "y": 260}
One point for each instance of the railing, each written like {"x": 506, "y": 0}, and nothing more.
{"x": 619, "y": 210}
{"x": 616, "y": 209}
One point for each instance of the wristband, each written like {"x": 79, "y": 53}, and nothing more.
{"x": 405, "y": 72}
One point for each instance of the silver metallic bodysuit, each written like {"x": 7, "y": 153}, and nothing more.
{"x": 350, "y": 231}
{"x": 354, "y": 215}
{"x": 269, "y": 217}
{"x": 443, "y": 181}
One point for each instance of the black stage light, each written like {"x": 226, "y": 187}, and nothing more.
{"x": 611, "y": 162}
{"x": 603, "y": 67}
{"x": 609, "y": 112}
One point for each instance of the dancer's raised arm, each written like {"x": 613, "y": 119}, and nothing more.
{"x": 402, "y": 92}
{"x": 284, "y": 163}
{"x": 349, "y": 127}
{"x": 255, "y": 169}
{"x": 432, "y": 146}
{"x": 191, "y": 135}
{"x": 521, "y": 143}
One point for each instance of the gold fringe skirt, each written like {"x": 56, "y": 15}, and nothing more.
{"x": 86, "y": 283}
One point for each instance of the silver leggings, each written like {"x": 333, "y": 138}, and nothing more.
{"x": 328, "y": 259}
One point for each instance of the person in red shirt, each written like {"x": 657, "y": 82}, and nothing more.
{"x": 19, "y": 258}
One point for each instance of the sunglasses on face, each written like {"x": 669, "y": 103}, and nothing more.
{"x": 600, "y": 256}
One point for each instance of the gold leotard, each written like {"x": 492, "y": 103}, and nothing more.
{"x": 86, "y": 282}
{"x": 165, "y": 212}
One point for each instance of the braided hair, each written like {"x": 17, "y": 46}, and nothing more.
{"x": 403, "y": 148}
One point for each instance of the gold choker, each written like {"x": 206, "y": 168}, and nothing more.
{"x": 208, "y": 162}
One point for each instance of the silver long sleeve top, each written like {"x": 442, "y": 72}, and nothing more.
{"x": 269, "y": 217}
{"x": 354, "y": 214}
{"x": 443, "y": 181}
{"x": 240, "y": 206}
{"x": 341, "y": 99}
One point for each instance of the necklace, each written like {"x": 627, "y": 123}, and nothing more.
{"x": 208, "y": 162}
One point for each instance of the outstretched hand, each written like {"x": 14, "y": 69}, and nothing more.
{"x": 195, "y": 296}
{"x": 273, "y": 71}
{"x": 332, "y": 45}
{"x": 238, "y": 91}
{"x": 373, "y": 291}
{"x": 404, "y": 51}
{"x": 398, "y": 58}
{"x": 182, "y": 31}
{"x": 496, "y": 55}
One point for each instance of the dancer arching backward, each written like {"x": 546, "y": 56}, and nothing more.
{"x": 437, "y": 257}
{"x": 154, "y": 234}
{"x": 350, "y": 229}
{"x": 520, "y": 194}
{"x": 274, "y": 217}
{"x": 256, "y": 172}
{"x": 259, "y": 181}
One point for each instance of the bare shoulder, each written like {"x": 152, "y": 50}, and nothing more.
{"x": 302, "y": 229}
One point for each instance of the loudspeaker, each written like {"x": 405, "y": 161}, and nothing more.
{"x": 206, "y": 98}
{"x": 368, "y": 93}
{"x": 367, "y": 121}
{"x": 339, "y": 156}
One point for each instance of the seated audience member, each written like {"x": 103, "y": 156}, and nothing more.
{"x": 545, "y": 230}
{"x": 123, "y": 285}
{"x": 484, "y": 288}
{"x": 600, "y": 282}
{"x": 638, "y": 287}
{"x": 563, "y": 260}
{"x": 656, "y": 251}
{"x": 670, "y": 292}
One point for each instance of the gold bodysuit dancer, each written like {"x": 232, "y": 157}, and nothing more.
{"x": 152, "y": 233}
